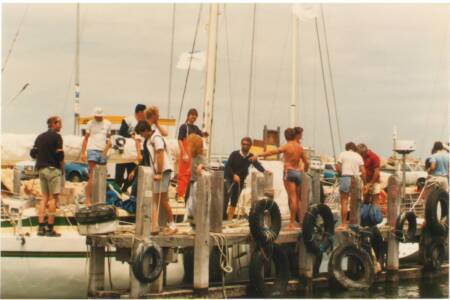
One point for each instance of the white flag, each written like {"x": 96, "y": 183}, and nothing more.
{"x": 197, "y": 60}
{"x": 305, "y": 11}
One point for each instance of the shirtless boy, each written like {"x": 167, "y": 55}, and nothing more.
{"x": 293, "y": 154}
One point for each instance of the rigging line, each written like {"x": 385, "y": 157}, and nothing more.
{"x": 330, "y": 72}
{"x": 190, "y": 61}
{"x": 283, "y": 59}
{"x": 169, "y": 95}
{"x": 250, "y": 83}
{"x": 230, "y": 91}
{"x": 15, "y": 38}
{"x": 325, "y": 88}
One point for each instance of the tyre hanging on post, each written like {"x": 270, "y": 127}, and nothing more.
{"x": 318, "y": 228}
{"x": 410, "y": 234}
{"x": 437, "y": 219}
{"x": 265, "y": 221}
{"x": 151, "y": 254}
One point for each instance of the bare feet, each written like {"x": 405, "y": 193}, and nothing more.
{"x": 170, "y": 231}
{"x": 342, "y": 227}
{"x": 292, "y": 226}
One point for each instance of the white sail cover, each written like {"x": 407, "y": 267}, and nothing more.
{"x": 16, "y": 148}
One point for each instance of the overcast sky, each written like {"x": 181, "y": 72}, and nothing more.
{"x": 390, "y": 66}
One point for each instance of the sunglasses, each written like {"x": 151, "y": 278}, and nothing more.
{"x": 245, "y": 144}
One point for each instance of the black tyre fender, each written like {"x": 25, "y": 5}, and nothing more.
{"x": 153, "y": 253}
{"x": 74, "y": 176}
{"x": 97, "y": 213}
{"x": 438, "y": 226}
{"x": 410, "y": 235}
{"x": 259, "y": 231}
{"x": 364, "y": 260}
{"x": 256, "y": 274}
{"x": 434, "y": 255}
{"x": 318, "y": 239}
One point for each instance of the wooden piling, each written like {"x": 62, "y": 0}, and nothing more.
{"x": 202, "y": 242}
{"x": 99, "y": 184}
{"x": 355, "y": 201}
{"x": 97, "y": 256}
{"x": 394, "y": 199}
{"x": 315, "y": 185}
{"x": 216, "y": 211}
{"x": 305, "y": 259}
{"x": 143, "y": 226}
{"x": 16, "y": 181}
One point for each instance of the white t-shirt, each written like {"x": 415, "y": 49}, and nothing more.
{"x": 350, "y": 162}
{"x": 98, "y": 132}
{"x": 157, "y": 142}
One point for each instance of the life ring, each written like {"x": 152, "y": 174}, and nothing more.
{"x": 365, "y": 273}
{"x": 434, "y": 254}
{"x": 215, "y": 271}
{"x": 151, "y": 254}
{"x": 318, "y": 237}
{"x": 97, "y": 213}
{"x": 260, "y": 256}
{"x": 259, "y": 230}
{"x": 438, "y": 225}
{"x": 410, "y": 234}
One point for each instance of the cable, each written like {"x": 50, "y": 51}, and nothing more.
{"x": 169, "y": 96}
{"x": 325, "y": 88}
{"x": 190, "y": 61}
{"x": 15, "y": 38}
{"x": 229, "y": 74}
{"x": 333, "y": 94}
{"x": 250, "y": 85}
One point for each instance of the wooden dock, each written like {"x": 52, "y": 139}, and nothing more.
{"x": 209, "y": 225}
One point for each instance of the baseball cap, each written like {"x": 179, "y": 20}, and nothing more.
{"x": 98, "y": 112}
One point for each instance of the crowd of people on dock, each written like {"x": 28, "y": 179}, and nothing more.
{"x": 356, "y": 166}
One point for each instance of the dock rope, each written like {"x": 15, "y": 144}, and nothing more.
{"x": 221, "y": 242}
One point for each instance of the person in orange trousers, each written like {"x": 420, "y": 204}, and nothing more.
{"x": 184, "y": 162}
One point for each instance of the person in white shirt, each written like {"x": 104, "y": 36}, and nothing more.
{"x": 97, "y": 142}
{"x": 162, "y": 166}
{"x": 349, "y": 165}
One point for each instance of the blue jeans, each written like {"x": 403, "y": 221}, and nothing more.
{"x": 345, "y": 182}
{"x": 96, "y": 156}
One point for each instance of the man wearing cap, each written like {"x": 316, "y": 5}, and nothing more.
{"x": 127, "y": 130}
{"x": 97, "y": 142}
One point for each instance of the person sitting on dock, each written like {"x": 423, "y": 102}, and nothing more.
{"x": 162, "y": 166}
{"x": 184, "y": 162}
{"x": 198, "y": 164}
{"x": 439, "y": 162}
{"x": 49, "y": 154}
{"x": 236, "y": 171}
{"x": 293, "y": 154}
{"x": 349, "y": 166}
{"x": 96, "y": 143}
{"x": 372, "y": 185}
{"x": 127, "y": 130}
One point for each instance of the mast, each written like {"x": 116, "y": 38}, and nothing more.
{"x": 250, "y": 81}
{"x": 294, "y": 74}
{"x": 169, "y": 96}
{"x": 76, "y": 109}
{"x": 210, "y": 74}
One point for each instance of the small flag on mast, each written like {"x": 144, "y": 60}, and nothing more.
{"x": 196, "y": 59}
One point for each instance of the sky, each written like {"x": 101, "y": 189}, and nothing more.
{"x": 390, "y": 67}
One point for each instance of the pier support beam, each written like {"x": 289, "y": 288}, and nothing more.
{"x": 16, "y": 181}
{"x": 355, "y": 201}
{"x": 305, "y": 259}
{"x": 99, "y": 184}
{"x": 143, "y": 225}
{"x": 202, "y": 243}
{"x": 216, "y": 211}
{"x": 394, "y": 195}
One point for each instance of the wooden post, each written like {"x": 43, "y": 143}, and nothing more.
{"x": 254, "y": 187}
{"x": 305, "y": 259}
{"x": 201, "y": 242}
{"x": 216, "y": 211}
{"x": 96, "y": 270}
{"x": 16, "y": 181}
{"x": 260, "y": 184}
{"x": 97, "y": 255}
{"x": 143, "y": 224}
{"x": 393, "y": 247}
{"x": 315, "y": 186}
{"x": 99, "y": 184}
{"x": 355, "y": 199}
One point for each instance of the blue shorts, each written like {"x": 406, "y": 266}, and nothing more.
{"x": 96, "y": 156}
{"x": 294, "y": 176}
{"x": 345, "y": 182}
{"x": 162, "y": 186}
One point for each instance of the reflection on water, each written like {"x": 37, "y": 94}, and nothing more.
{"x": 425, "y": 288}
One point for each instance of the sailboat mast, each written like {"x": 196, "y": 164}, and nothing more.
{"x": 76, "y": 109}
{"x": 169, "y": 96}
{"x": 250, "y": 80}
{"x": 210, "y": 74}
{"x": 294, "y": 74}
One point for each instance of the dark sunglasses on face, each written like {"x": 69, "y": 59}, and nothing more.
{"x": 245, "y": 144}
